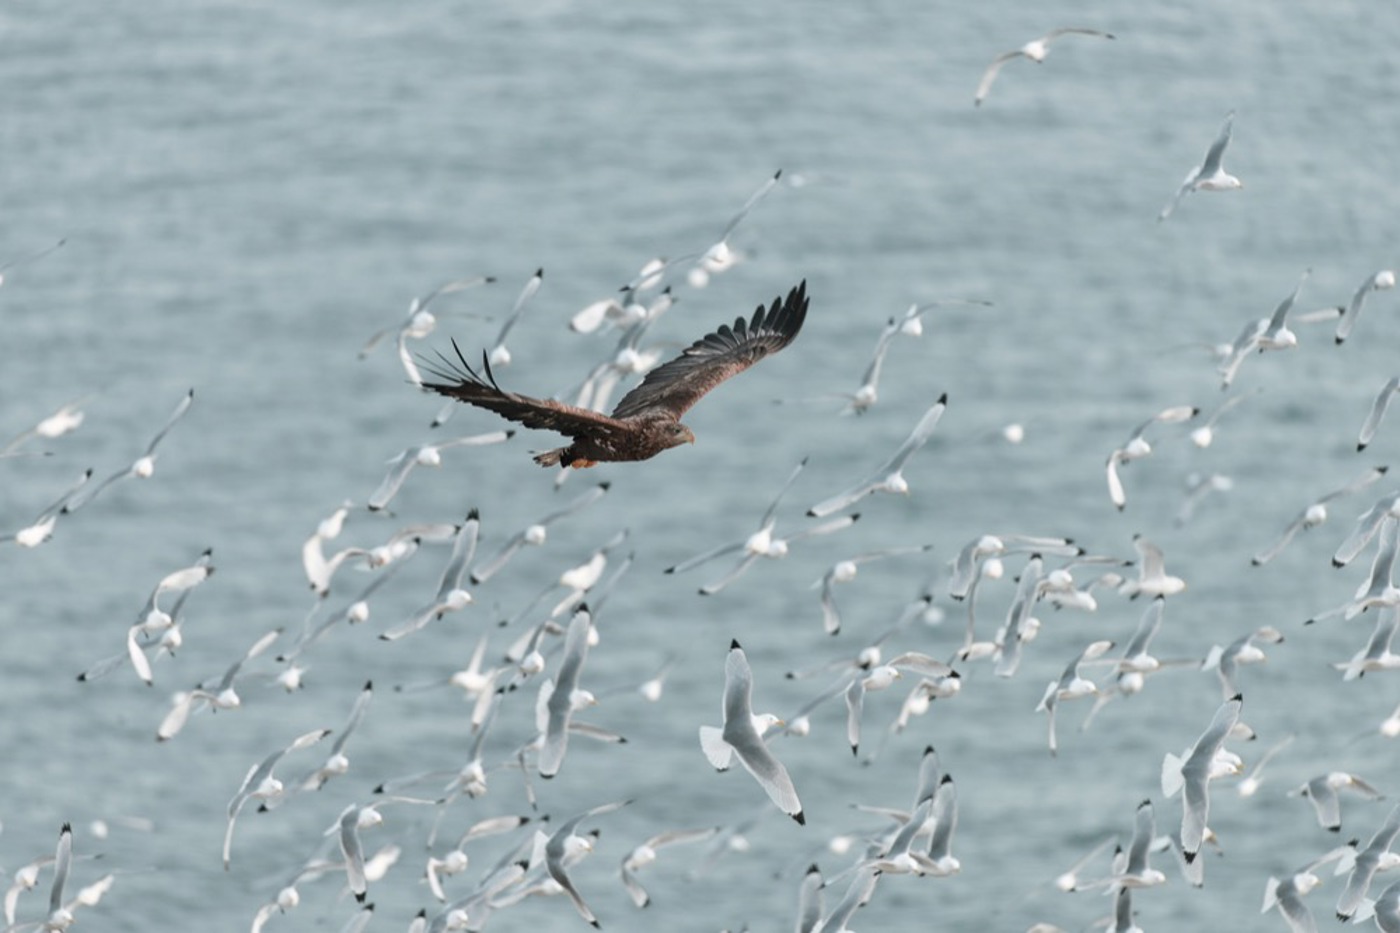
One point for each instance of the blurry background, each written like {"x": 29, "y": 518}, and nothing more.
{"x": 249, "y": 191}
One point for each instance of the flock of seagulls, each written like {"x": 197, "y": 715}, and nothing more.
{"x": 533, "y": 676}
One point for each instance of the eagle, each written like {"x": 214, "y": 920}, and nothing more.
{"x": 647, "y": 419}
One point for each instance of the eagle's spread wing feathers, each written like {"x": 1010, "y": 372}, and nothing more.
{"x": 671, "y": 389}
{"x": 460, "y": 381}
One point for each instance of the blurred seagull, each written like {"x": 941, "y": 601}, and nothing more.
{"x": 220, "y": 696}
{"x": 1243, "y": 650}
{"x": 844, "y": 571}
{"x": 499, "y": 355}
{"x": 1152, "y": 579}
{"x": 1070, "y": 686}
{"x": 1376, "y": 656}
{"x": 1034, "y": 50}
{"x": 144, "y": 465}
{"x": 450, "y": 595}
{"x": 645, "y": 853}
{"x": 762, "y": 543}
{"x": 1210, "y": 175}
{"x": 1249, "y": 784}
{"x": 1379, "y": 281}
{"x": 1203, "y": 435}
{"x": 561, "y": 697}
{"x": 427, "y": 455}
{"x": 1377, "y": 412}
{"x": 535, "y": 534}
{"x": 261, "y": 783}
{"x": 890, "y": 476}
{"x": 419, "y": 323}
{"x": 1136, "y": 447}
{"x": 1316, "y": 513}
{"x": 1375, "y": 857}
{"x": 41, "y": 529}
{"x": 1276, "y": 335}
{"x": 66, "y": 419}
{"x": 337, "y": 764}
{"x": 1287, "y": 894}
{"x": 1322, "y": 791}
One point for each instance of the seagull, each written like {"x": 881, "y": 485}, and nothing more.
{"x": 897, "y": 858}
{"x": 154, "y": 621}
{"x": 1375, "y": 857}
{"x": 1243, "y": 650}
{"x": 41, "y": 529}
{"x": 762, "y": 543}
{"x": 844, "y": 571}
{"x": 1377, "y": 412}
{"x": 1210, "y": 175}
{"x": 966, "y": 566}
{"x": 1246, "y": 343}
{"x": 1192, "y": 773}
{"x": 1367, "y": 525}
{"x": 450, "y": 596}
{"x": 645, "y": 853}
{"x": 565, "y": 847}
{"x": 1276, "y": 335}
{"x": 420, "y": 322}
{"x": 1378, "y": 281}
{"x": 1123, "y": 912}
{"x": 890, "y": 476}
{"x": 1249, "y": 784}
{"x": 1034, "y": 50}
{"x": 1322, "y": 791}
{"x": 740, "y": 737}
{"x": 1070, "y": 686}
{"x": 535, "y": 534}
{"x": 1385, "y": 910}
{"x": 221, "y": 696}
{"x": 144, "y": 466}
{"x": 66, "y": 419}
{"x": 809, "y": 900}
{"x": 1136, "y": 447}
{"x": 428, "y": 455}
{"x": 945, "y": 822}
{"x": 909, "y": 324}
{"x": 1068, "y": 880}
{"x": 499, "y": 355}
{"x": 1136, "y": 872}
{"x": 860, "y": 890}
{"x": 1287, "y": 894}
{"x": 1203, "y": 435}
{"x": 260, "y": 783}
{"x": 1153, "y": 579}
{"x": 1198, "y": 486}
{"x": 337, "y": 764}
{"x": 561, "y": 697}
{"x": 1376, "y": 656}
{"x": 1018, "y": 616}
{"x": 1316, "y": 512}
{"x": 60, "y": 916}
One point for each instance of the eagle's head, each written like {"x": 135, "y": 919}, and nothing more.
{"x": 677, "y": 434}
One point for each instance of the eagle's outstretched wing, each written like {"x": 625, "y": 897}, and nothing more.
{"x": 462, "y": 382}
{"x": 670, "y": 389}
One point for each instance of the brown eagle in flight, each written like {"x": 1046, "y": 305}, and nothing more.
{"x": 647, "y": 420}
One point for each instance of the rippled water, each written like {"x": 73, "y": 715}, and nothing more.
{"x": 248, "y": 191}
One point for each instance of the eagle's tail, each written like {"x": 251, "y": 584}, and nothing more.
{"x": 551, "y": 457}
